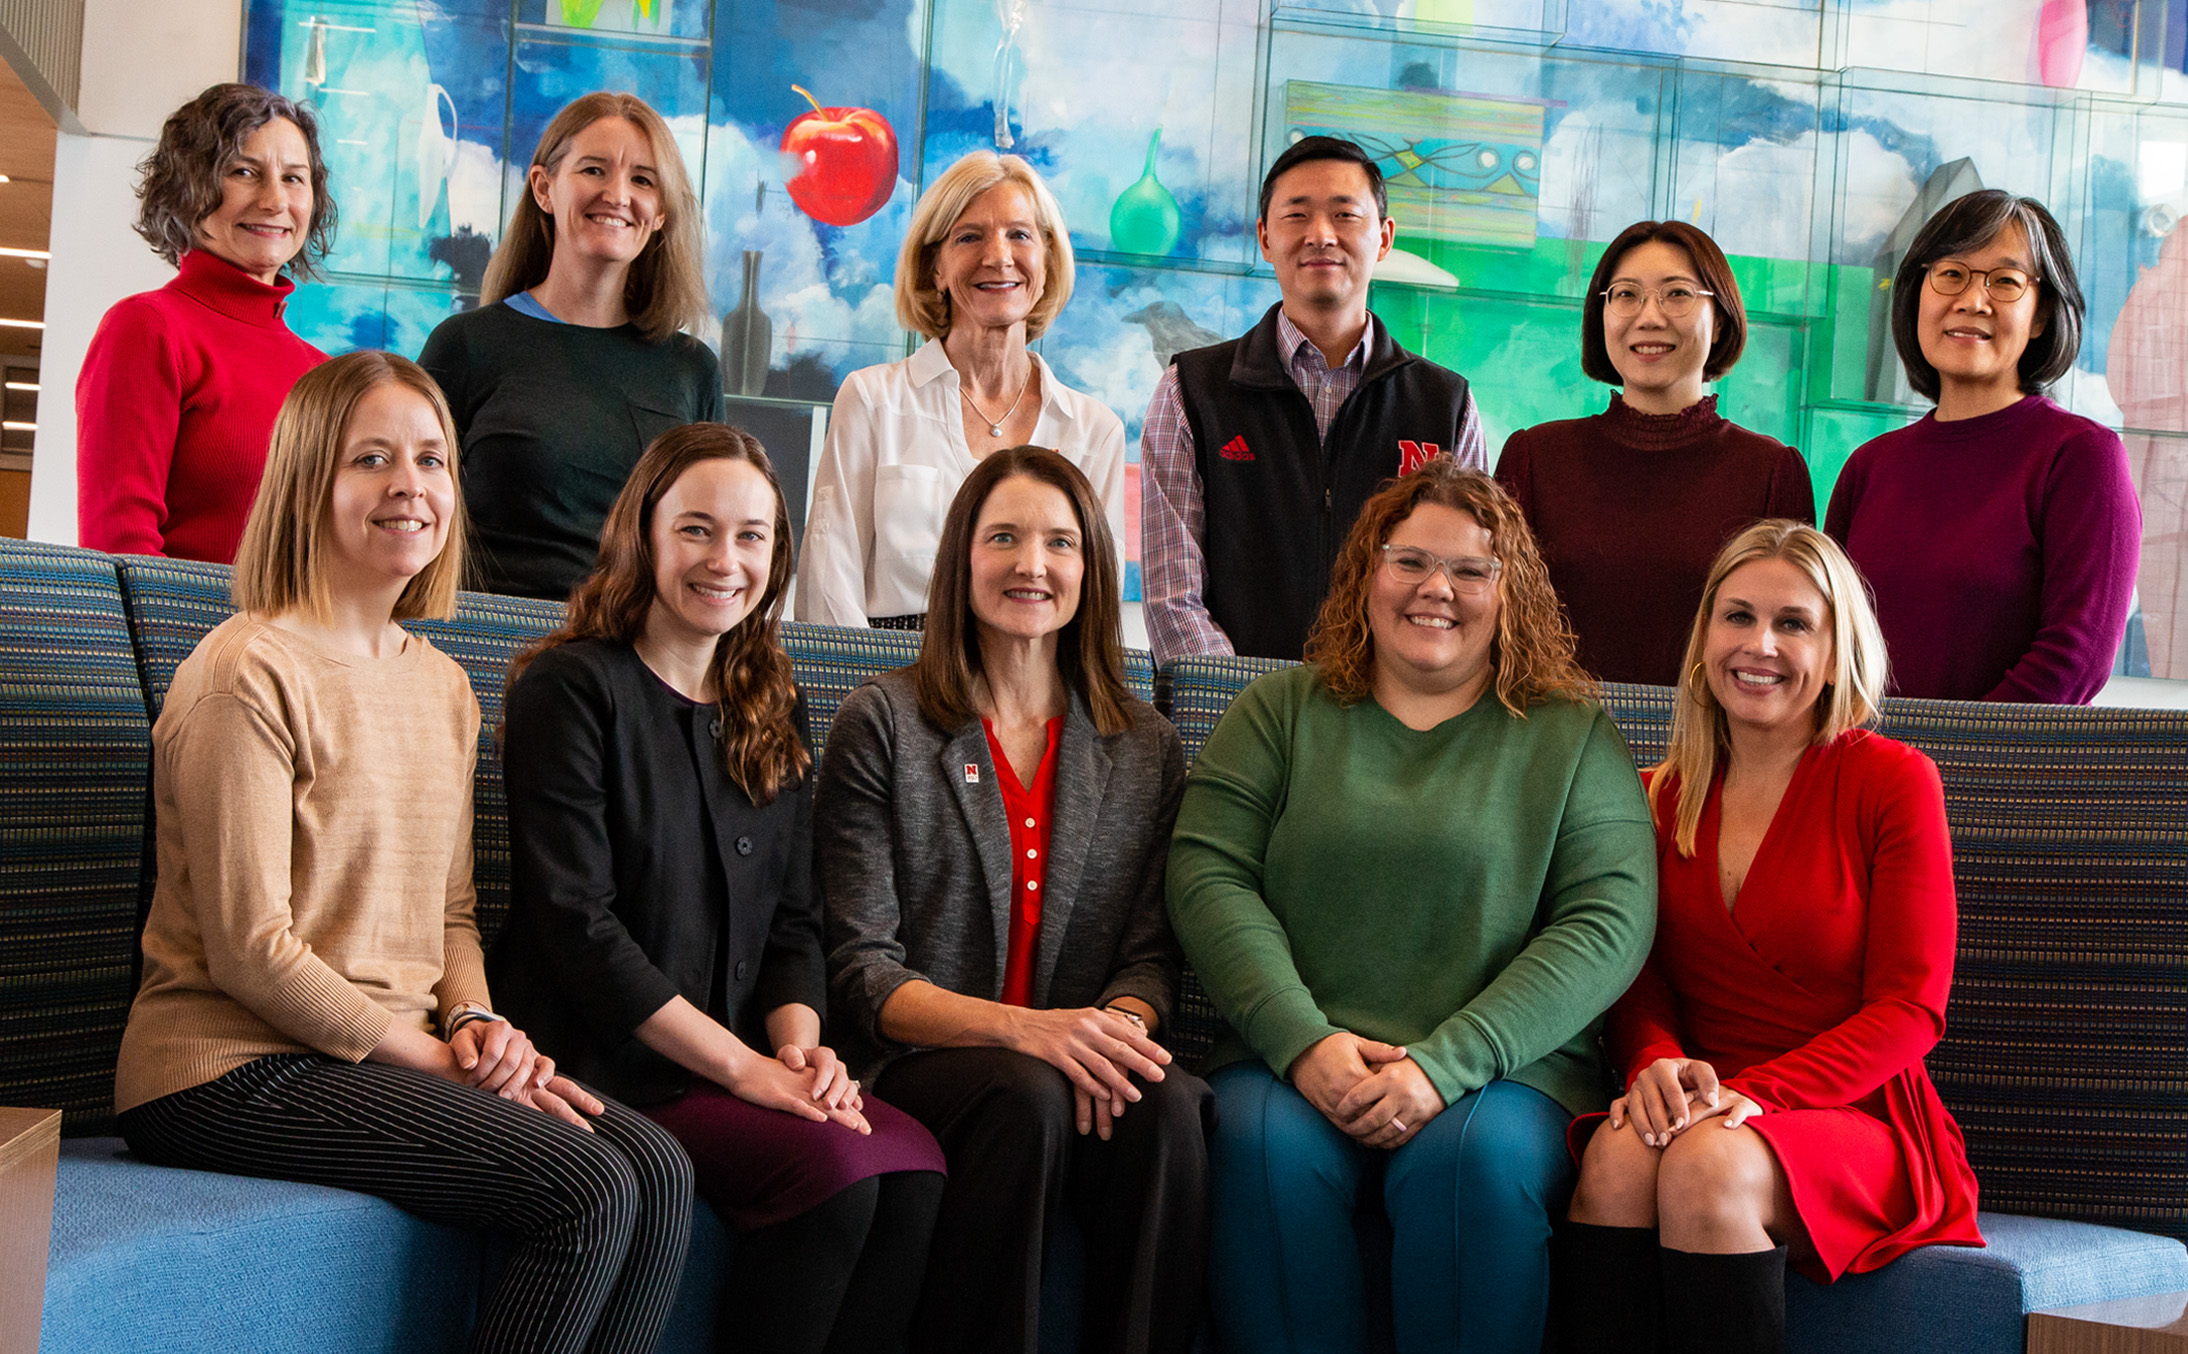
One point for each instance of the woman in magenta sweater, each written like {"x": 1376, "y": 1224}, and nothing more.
{"x": 2000, "y": 532}
{"x": 1630, "y": 505}
{"x": 178, "y": 390}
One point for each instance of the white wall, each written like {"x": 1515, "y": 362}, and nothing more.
{"x": 141, "y": 62}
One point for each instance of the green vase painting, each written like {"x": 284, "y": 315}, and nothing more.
{"x": 1145, "y": 218}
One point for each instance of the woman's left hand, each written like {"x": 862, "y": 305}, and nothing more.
{"x": 1389, "y": 1105}
{"x": 832, "y": 1087}
{"x": 1736, "y": 1109}
{"x": 496, "y": 1056}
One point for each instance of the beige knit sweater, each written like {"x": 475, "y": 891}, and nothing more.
{"x": 314, "y": 837}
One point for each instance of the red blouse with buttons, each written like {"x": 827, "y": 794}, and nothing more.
{"x": 1030, "y": 808}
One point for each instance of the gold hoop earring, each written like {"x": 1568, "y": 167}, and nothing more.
{"x": 1697, "y": 694}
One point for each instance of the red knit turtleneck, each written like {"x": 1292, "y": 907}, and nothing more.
{"x": 174, "y": 406}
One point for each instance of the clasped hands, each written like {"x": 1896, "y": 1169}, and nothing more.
{"x": 1099, "y": 1050}
{"x": 496, "y": 1056}
{"x": 1374, "y": 1091}
{"x": 1672, "y": 1095}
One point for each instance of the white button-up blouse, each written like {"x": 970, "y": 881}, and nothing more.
{"x": 893, "y": 460}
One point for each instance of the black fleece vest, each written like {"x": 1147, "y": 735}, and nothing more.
{"x": 1279, "y": 501}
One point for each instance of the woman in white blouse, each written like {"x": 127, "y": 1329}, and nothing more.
{"x": 986, "y": 265}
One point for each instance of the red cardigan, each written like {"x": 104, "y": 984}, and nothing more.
{"x": 174, "y": 407}
{"x": 1821, "y": 990}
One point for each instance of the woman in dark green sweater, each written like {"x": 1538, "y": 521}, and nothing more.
{"x": 1412, "y": 875}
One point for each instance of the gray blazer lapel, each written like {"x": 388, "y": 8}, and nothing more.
{"x": 1082, "y": 780}
{"x": 982, "y": 805}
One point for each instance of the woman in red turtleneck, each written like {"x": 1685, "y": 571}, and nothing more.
{"x": 178, "y": 391}
{"x": 1630, "y": 505}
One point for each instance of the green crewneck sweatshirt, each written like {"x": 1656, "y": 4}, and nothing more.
{"x": 1480, "y": 892}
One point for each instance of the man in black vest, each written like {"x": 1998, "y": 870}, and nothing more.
{"x": 1256, "y": 454}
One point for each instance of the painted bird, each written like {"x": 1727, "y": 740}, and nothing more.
{"x": 1170, "y": 330}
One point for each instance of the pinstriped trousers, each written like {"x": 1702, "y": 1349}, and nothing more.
{"x": 600, "y": 1221}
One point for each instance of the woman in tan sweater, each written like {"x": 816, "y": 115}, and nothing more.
{"x": 312, "y": 922}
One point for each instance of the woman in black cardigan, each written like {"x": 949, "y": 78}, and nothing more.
{"x": 992, "y": 826}
{"x": 663, "y": 939}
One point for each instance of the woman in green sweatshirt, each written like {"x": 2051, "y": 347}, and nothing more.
{"x": 1412, "y": 874}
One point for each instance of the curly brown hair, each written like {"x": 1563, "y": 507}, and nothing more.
{"x": 752, "y": 677}
{"x": 179, "y": 183}
{"x": 1534, "y": 646}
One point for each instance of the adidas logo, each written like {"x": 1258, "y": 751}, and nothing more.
{"x": 1235, "y": 450}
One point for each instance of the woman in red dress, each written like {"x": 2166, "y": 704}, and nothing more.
{"x": 1776, "y": 1105}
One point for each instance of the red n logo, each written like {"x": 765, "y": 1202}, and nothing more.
{"x": 1413, "y": 455}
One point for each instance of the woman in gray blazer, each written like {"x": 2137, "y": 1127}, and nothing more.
{"x": 990, "y": 831}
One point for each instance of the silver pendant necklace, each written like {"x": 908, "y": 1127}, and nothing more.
{"x": 995, "y": 425}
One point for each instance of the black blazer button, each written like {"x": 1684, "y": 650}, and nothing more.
{"x": 714, "y": 730}
{"x": 741, "y": 967}
{"x": 744, "y": 846}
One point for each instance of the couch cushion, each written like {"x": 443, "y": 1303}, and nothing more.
{"x": 144, "y": 1257}
{"x": 184, "y": 1261}
{"x": 174, "y": 603}
{"x": 74, "y": 750}
{"x": 2065, "y": 1057}
{"x": 1959, "y": 1300}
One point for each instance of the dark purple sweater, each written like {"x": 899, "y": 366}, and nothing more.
{"x": 1629, "y": 510}
{"x": 2001, "y": 550}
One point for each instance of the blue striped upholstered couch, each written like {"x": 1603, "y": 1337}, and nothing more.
{"x": 2066, "y": 1060}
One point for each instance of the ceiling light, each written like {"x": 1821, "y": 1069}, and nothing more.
{"x": 8, "y": 253}
{"x": 31, "y": 386}
{"x": 18, "y": 427}
{"x": 3, "y": 178}
{"x": 22, "y": 324}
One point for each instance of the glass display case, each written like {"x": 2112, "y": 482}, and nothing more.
{"x": 1809, "y": 137}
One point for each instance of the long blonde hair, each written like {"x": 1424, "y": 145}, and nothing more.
{"x": 279, "y": 564}
{"x": 665, "y": 289}
{"x": 1852, "y": 698}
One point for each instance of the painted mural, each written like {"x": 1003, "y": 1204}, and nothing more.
{"x": 1519, "y": 135}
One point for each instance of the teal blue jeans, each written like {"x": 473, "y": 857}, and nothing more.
{"x": 1469, "y": 1202}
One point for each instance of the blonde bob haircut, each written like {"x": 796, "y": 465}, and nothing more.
{"x": 1700, "y": 740}
{"x": 279, "y": 564}
{"x": 923, "y": 307}
{"x": 665, "y": 289}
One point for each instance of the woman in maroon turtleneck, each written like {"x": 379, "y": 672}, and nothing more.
{"x": 2000, "y": 532}
{"x": 178, "y": 391}
{"x": 1629, "y": 506}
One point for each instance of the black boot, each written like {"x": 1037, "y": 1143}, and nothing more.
{"x": 1739, "y": 1299}
{"x": 1604, "y": 1289}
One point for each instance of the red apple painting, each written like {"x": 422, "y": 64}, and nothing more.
{"x": 840, "y": 162}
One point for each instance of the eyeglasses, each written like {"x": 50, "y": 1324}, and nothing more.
{"x": 1625, "y": 299}
{"x": 2005, "y": 285}
{"x": 1470, "y": 575}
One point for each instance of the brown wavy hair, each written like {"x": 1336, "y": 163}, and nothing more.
{"x": 665, "y": 287}
{"x": 1089, "y": 651}
{"x": 752, "y": 677}
{"x": 1533, "y": 651}
{"x": 179, "y": 183}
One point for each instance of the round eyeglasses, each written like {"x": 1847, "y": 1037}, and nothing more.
{"x": 1470, "y": 575}
{"x": 2005, "y": 285}
{"x": 1677, "y": 301}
